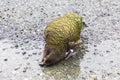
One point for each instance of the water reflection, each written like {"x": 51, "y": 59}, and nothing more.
{"x": 65, "y": 70}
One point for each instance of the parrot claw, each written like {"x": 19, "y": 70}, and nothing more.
{"x": 69, "y": 54}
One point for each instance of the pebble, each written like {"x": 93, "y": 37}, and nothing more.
{"x": 0, "y": 71}
{"x": 29, "y": 55}
{"x": 25, "y": 69}
{"x": 4, "y": 49}
{"x": 17, "y": 68}
{"x": 34, "y": 53}
{"x": 118, "y": 73}
{"x": 5, "y": 59}
{"x": 94, "y": 77}
{"x": 17, "y": 52}
{"x": 16, "y": 46}
{"x": 24, "y": 53}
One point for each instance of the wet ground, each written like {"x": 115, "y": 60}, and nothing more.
{"x": 21, "y": 40}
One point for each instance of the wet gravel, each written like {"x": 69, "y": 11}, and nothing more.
{"x": 21, "y": 40}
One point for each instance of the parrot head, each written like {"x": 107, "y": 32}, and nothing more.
{"x": 51, "y": 55}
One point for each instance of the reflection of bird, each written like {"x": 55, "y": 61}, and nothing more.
{"x": 61, "y": 35}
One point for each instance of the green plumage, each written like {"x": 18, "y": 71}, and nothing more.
{"x": 63, "y": 29}
{"x": 58, "y": 34}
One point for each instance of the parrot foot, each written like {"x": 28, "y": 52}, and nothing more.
{"x": 74, "y": 44}
{"x": 69, "y": 54}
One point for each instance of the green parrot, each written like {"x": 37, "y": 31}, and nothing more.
{"x": 61, "y": 35}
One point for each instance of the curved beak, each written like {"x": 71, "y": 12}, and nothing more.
{"x": 41, "y": 64}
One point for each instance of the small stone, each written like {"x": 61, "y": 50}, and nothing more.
{"x": 0, "y": 71}
{"x": 25, "y": 69}
{"x": 109, "y": 74}
{"x": 37, "y": 60}
{"x": 95, "y": 49}
{"x": 29, "y": 55}
{"x": 38, "y": 74}
{"x": 26, "y": 58}
{"x": 39, "y": 53}
{"x": 83, "y": 78}
{"x": 28, "y": 63}
{"x": 24, "y": 53}
{"x": 107, "y": 51}
{"x": 34, "y": 53}
{"x": 111, "y": 61}
{"x": 31, "y": 13}
{"x": 16, "y": 35}
{"x": 69, "y": 77}
{"x": 4, "y": 49}
{"x": 26, "y": 41}
{"x": 118, "y": 73}
{"x": 93, "y": 76}
{"x": 22, "y": 48}
{"x": 41, "y": 74}
{"x": 17, "y": 68}
{"x": 95, "y": 45}
{"x": 5, "y": 59}
{"x": 91, "y": 71}
{"x": 17, "y": 52}
{"x": 95, "y": 53}
{"x": 16, "y": 46}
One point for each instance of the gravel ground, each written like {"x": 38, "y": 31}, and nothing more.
{"x": 21, "y": 40}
